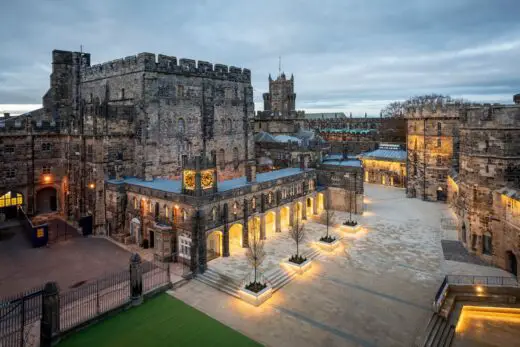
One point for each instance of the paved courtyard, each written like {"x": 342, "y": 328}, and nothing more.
{"x": 67, "y": 262}
{"x": 377, "y": 291}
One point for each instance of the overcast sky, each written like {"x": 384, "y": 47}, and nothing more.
{"x": 346, "y": 55}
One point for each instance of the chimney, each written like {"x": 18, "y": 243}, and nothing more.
{"x": 7, "y": 115}
{"x": 516, "y": 99}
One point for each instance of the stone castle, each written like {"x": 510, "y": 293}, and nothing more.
{"x": 468, "y": 156}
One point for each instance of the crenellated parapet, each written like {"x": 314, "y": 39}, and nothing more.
{"x": 490, "y": 116}
{"x": 433, "y": 111}
{"x": 149, "y": 62}
{"x": 278, "y": 115}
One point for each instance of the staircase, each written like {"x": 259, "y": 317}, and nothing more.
{"x": 220, "y": 282}
{"x": 438, "y": 333}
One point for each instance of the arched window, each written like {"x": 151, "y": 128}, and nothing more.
{"x": 487, "y": 245}
{"x": 253, "y": 203}
{"x": 229, "y": 126}
{"x": 439, "y": 160}
{"x": 156, "y": 209}
{"x": 235, "y": 158}
{"x": 235, "y": 208}
{"x": 181, "y": 126}
{"x": 166, "y": 212}
{"x": 134, "y": 200}
{"x": 214, "y": 214}
{"x": 270, "y": 198}
{"x": 486, "y": 145}
{"x": 221, "y": 159}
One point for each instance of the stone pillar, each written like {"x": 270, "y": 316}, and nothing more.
{"x": 262, "y": 227}
{"x": 304, "y": 209}
{"x": 225, "y": 241}
{"x": 278, "y": 218}
{"x": 291, "y": 214}
{"x": 50, "y": 321}
{"x": 136, "y": 280}
{"x": 315, "y": 205}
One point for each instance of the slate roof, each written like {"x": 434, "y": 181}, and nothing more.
{"x": 175, "y": 186}
{"x": 263, "y": 136}
{"x": 352, "y": 163}
{"x": 287, "y": 138}
{"x": 348, "y": 131}
{"x": 386, "y": 152}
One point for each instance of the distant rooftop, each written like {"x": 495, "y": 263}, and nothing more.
{"x": 175, "y": 186}
{"x": 351, "y": 163}
{"x": 325, "y": 115}
{"x": 386, "y": 152}
{"x": 348, "y": 131}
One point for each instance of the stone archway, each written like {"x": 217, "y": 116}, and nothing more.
{"x": 285, "y": 218}
{"x": 214, "y": 245}
{"x": 321, "y": 202}
{"x": 512, "y": 263}
{"x": 235, "y": 238}
{"x": 47, "y": 200}
{"x": 270, "y": 224}
{"x": 135, "y": 230}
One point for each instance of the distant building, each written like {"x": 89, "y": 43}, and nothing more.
{"x": 386, "y": 165}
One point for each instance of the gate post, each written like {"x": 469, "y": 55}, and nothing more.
{"x": 50, "y": 321}
{"x": 136, "y": 280}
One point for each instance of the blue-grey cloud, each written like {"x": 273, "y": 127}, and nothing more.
{"x": 346, "y": 55}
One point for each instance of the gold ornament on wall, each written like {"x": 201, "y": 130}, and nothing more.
{"x": 207, "y": 179}
{"x": 189, "y": 179}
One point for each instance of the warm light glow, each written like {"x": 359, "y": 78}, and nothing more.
{"x": 479, "y": 289}
{"x": 47, "y": 178}
{"x": 92, "y": 185}
{"x": 498, "y": 314}
{"x": 392, "y": 166}
{"x": 176, "y": 207}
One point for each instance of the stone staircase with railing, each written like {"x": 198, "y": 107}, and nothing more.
{"x": 277, "y": 278}
{"x": 438, "y": 333}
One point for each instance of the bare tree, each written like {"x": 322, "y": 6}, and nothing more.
{"x": 255, "y": 254}
{"x": 397, "y": 109}
{"x": 298, "y": 234}
{"x": 326, "y": 218}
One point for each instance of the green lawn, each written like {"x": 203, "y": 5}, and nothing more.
{"x": 160, "y": 321}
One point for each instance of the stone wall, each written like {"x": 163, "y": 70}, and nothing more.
{"x": 344, "y": 200}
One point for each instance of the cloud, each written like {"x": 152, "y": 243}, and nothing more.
{"x": 346, "y": 55}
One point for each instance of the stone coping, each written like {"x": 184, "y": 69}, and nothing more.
{"x": 256, "y": 299}
{"x": 300, "y": 268}
{"x": 328, "y": 246}
{"x": 350, "y": 229}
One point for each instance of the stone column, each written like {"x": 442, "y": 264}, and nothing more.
{"x": 262, "y": 227}
{"x": 315, "y": 205}
{"x": 225, "y": 241}
{"x": 50, "y": 321}
{"x": 136, "y": 280}
{"x": 304, "y": 209}
{"x": 278, "y": 219}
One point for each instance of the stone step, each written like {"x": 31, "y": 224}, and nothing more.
{"x": 231, "y": 290}
{"x": 437, "y": 333}
{"x": 449, "y": 339}
{"x": 216, "y": 274}
{"x": 444, "y": 336}
{"x": 430, "y": 329}
{"x": 420, "y": 339}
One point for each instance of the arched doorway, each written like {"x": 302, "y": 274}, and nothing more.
{"x": 235, "y": 238}
{"x": 512, "y": 263}
{"x": 284, "y": 218}
{"x": 321, "y": 201}
{"x": 214, "y": 245}
{"x": 46, "y": 200}
{"x": 135, "y": 230}
{"x": 254, "y": 225}
{"x": 270, "y": 224}
{"x": 309, "y": 208}
{"x": 9, "y": 203}
{"x": 441, "y": 195}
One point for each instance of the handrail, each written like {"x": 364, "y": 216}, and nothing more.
{"x": 483, "y": 280}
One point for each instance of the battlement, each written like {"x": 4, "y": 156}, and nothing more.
{"x": 496, "y": 115}
{"x": 434, "y": 111}
{"x": 278, "y": 115}
{"x": 149, "y": 62}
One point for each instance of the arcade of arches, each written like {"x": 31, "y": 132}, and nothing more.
{"x": 9, "y": 203}
{"x": 266, "y": 225}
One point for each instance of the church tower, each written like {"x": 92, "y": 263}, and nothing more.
{"x": 281, "y": 98}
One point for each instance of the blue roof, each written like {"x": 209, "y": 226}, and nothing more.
{"x": 354, "y": 163}
{"x": 394, "y": 153}
{"x": 337, "y": 157}
{"x": 175, "y": 186}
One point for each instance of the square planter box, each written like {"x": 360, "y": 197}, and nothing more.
{"x": 328, "y": 246}
{"x": 300, "y": 268}
{"x": 351, "y": 229}
{"x": 256, "y": 299}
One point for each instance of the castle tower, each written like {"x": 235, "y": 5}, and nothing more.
{"x": 431, "y": 143}
{"x": 281, "y": 97}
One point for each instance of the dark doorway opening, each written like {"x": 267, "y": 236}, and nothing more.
{"x": 46, "y": 200}
{"x": 512, "y": 263}
{"x": 152, "y": 239}
{"x": 441, "y": 195}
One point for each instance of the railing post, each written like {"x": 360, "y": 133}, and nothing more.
{"x": 50, "y": 321}
{"x": 136, "y": 280}
{"x": 22, "y": 342}
{"x": 97, "y": 297}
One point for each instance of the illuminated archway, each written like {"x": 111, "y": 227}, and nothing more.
{"x": 321, "y": 201}
{"x": 9, "y": 203}
{"x": 310, "y": 206}
{"x": 214, "y": 245}
{"x": 270, "y": 224}
{"x": 284, "y": 218}
{"x": 254, "y": 224}
{"x": 235, "y": 238}
{"x": 298, "y": 211}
